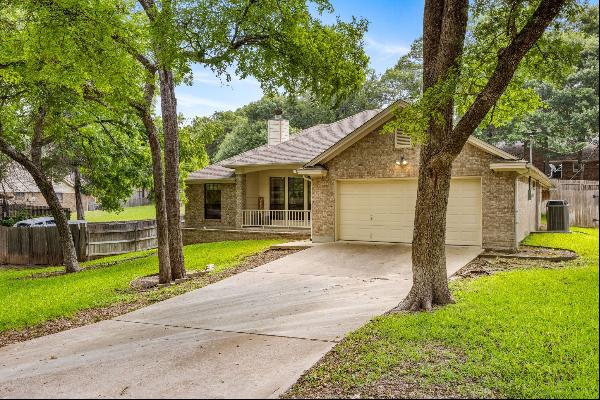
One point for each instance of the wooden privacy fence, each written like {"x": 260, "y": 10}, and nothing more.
{"x": 38, "y": 245}
{"x": 109, "y": 238}
{"x": 582, "y": 197}
{"x": 41, "y": 246}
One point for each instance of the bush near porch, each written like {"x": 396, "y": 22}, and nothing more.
{"x": 521, "y": 334}
{"x": 27, "y": 300}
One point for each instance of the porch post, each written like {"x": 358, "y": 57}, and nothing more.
{"x": 240, "y": 198}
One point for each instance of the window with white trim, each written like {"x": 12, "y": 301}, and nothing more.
{"x": 402, "y": 141}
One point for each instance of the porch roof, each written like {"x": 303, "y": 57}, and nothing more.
{"x": 212, "y": 172}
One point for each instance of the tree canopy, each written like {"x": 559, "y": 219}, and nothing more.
{"x": 567, "y": 119}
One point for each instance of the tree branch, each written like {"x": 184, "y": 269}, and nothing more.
{"x": 142, "y": 59}
{"x": 508, "y": 62}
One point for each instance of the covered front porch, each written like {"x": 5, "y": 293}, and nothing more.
{"x": 265, "y": 198}
{"x": 276, "y": 198}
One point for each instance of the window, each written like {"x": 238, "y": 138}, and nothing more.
{"x": 277, "y": 193}
{"x": 59, "y": 196}
{"x": 295, "y": 193}
{"x": 19, "y": 195}
{"x": 212, "y": 201}
{"x": 402, "y": 141}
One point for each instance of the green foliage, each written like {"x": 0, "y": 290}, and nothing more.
{"x": 283, "y": 45}
{"x": 523, "y": 334}
{"x": 492, "y": 25}
{"x": 404, "y": 80}
{"x": 243, "y": 137}
{"x": 568, "y": 119}
{"x": 62, "y": 73}
{"x": 27, "y": 301}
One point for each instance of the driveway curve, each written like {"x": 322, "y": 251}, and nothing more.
{"x": 249, "y": 336}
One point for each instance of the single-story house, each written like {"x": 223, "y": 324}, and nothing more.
{"x": 581, "y": 165}
{"x": 18, "y": 187}
{"x": 346, "y": 181}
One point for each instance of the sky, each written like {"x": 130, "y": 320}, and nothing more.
{"x": 393, "y": 26}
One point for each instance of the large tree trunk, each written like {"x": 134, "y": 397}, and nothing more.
{"x": 78, "y": 196}
{"x": 62, "y": 224}
{"x": 34, "y": 167}
{"x": 444, "y": 29}
{"x": 430, "y": 281}
{"x": 168, "y": 103}
{"x": 162, "y": 229}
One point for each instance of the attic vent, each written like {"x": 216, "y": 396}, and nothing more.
{"x": 402, "y": 141}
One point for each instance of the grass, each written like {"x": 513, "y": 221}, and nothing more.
{"x": 519, "y": 334}
{"x": 127, "y": 214}
{"x": 27, "y": 301}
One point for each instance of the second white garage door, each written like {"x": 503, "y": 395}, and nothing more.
{"x": 384, "y": 211}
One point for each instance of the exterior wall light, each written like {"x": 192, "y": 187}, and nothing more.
{"x": 402, "y": 161}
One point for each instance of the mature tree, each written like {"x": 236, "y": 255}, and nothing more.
{"x": 405, "y": 79}
{"x": 281, "y": 44}
{"x": 482, "y": 75}
{"x": 568, "y": 120}
{"x": 49, "y": 65}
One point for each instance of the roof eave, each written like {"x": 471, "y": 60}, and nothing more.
{"x": 315, "y": 172}
{"x": 198, "y": 181}
{"x": 523, "y": 167}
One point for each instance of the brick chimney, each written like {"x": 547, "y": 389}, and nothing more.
{"x": 278, "y": 129}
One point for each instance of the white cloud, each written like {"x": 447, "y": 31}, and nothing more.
{"x": 386, "y": 49}
{"x": 188, "y": 100}
{"x": 204, "y": 76}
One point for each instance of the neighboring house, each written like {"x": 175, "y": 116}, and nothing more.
{"x": 347, "y": 181}
{"x": 582, "y": 165}
{"x": 18, "y": 187}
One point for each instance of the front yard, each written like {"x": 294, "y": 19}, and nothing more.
{"x": 33, "y": 296}
{"x": 127, "y": 214}
{"x": 527, "y": 333}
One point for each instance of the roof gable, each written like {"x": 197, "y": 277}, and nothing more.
{"x": 378, "y": 121}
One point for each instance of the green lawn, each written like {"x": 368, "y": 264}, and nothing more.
{"x": 521, "y": 334}
{"x": 127, "y": 214}
{"x": 25, "y": 301}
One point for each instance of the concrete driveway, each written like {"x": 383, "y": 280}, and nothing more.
{"x": 248, "y": 336}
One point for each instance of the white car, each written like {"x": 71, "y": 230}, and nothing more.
{"x": 41, "y": 221}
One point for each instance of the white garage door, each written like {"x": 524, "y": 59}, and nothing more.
{"x": 384, "y": 211}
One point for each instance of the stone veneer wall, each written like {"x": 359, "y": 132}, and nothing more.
{"x": 194, "y": 209}
{"x": 374, "y": 157}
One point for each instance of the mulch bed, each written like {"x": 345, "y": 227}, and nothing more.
{"x": 534, "y": 253}
{"x": 90, "y": 316}
{"x": 528, "y": 257}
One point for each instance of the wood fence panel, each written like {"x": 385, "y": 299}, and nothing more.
{"x": 582, "y": 197}
{"x": 53, "y": 243}
{"x": 41, "y": 245}
{"x": 120, "y": 237}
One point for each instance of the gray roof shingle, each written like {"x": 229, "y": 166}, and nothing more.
{"x": 298, "y": 149}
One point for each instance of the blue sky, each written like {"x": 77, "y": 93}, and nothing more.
{"x": 394, "y": 24}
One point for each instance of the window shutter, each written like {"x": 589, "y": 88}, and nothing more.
{"x": 402, "y": 141}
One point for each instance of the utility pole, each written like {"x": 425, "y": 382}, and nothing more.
{"x": 531, "y": 149}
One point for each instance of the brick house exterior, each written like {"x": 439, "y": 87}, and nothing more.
{"x": 510, "y": 195}
{"x": 582, "y": 165}
{"x": 19, "y": 188}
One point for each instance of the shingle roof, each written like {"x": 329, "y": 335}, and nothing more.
{"x": 17, "y": 179}
{"x": 214, "y": 171}
{"x": 298, "y": 149}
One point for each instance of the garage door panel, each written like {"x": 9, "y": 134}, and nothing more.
{"x": 384, "y": 211}
{"x": 454, "y": 220}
